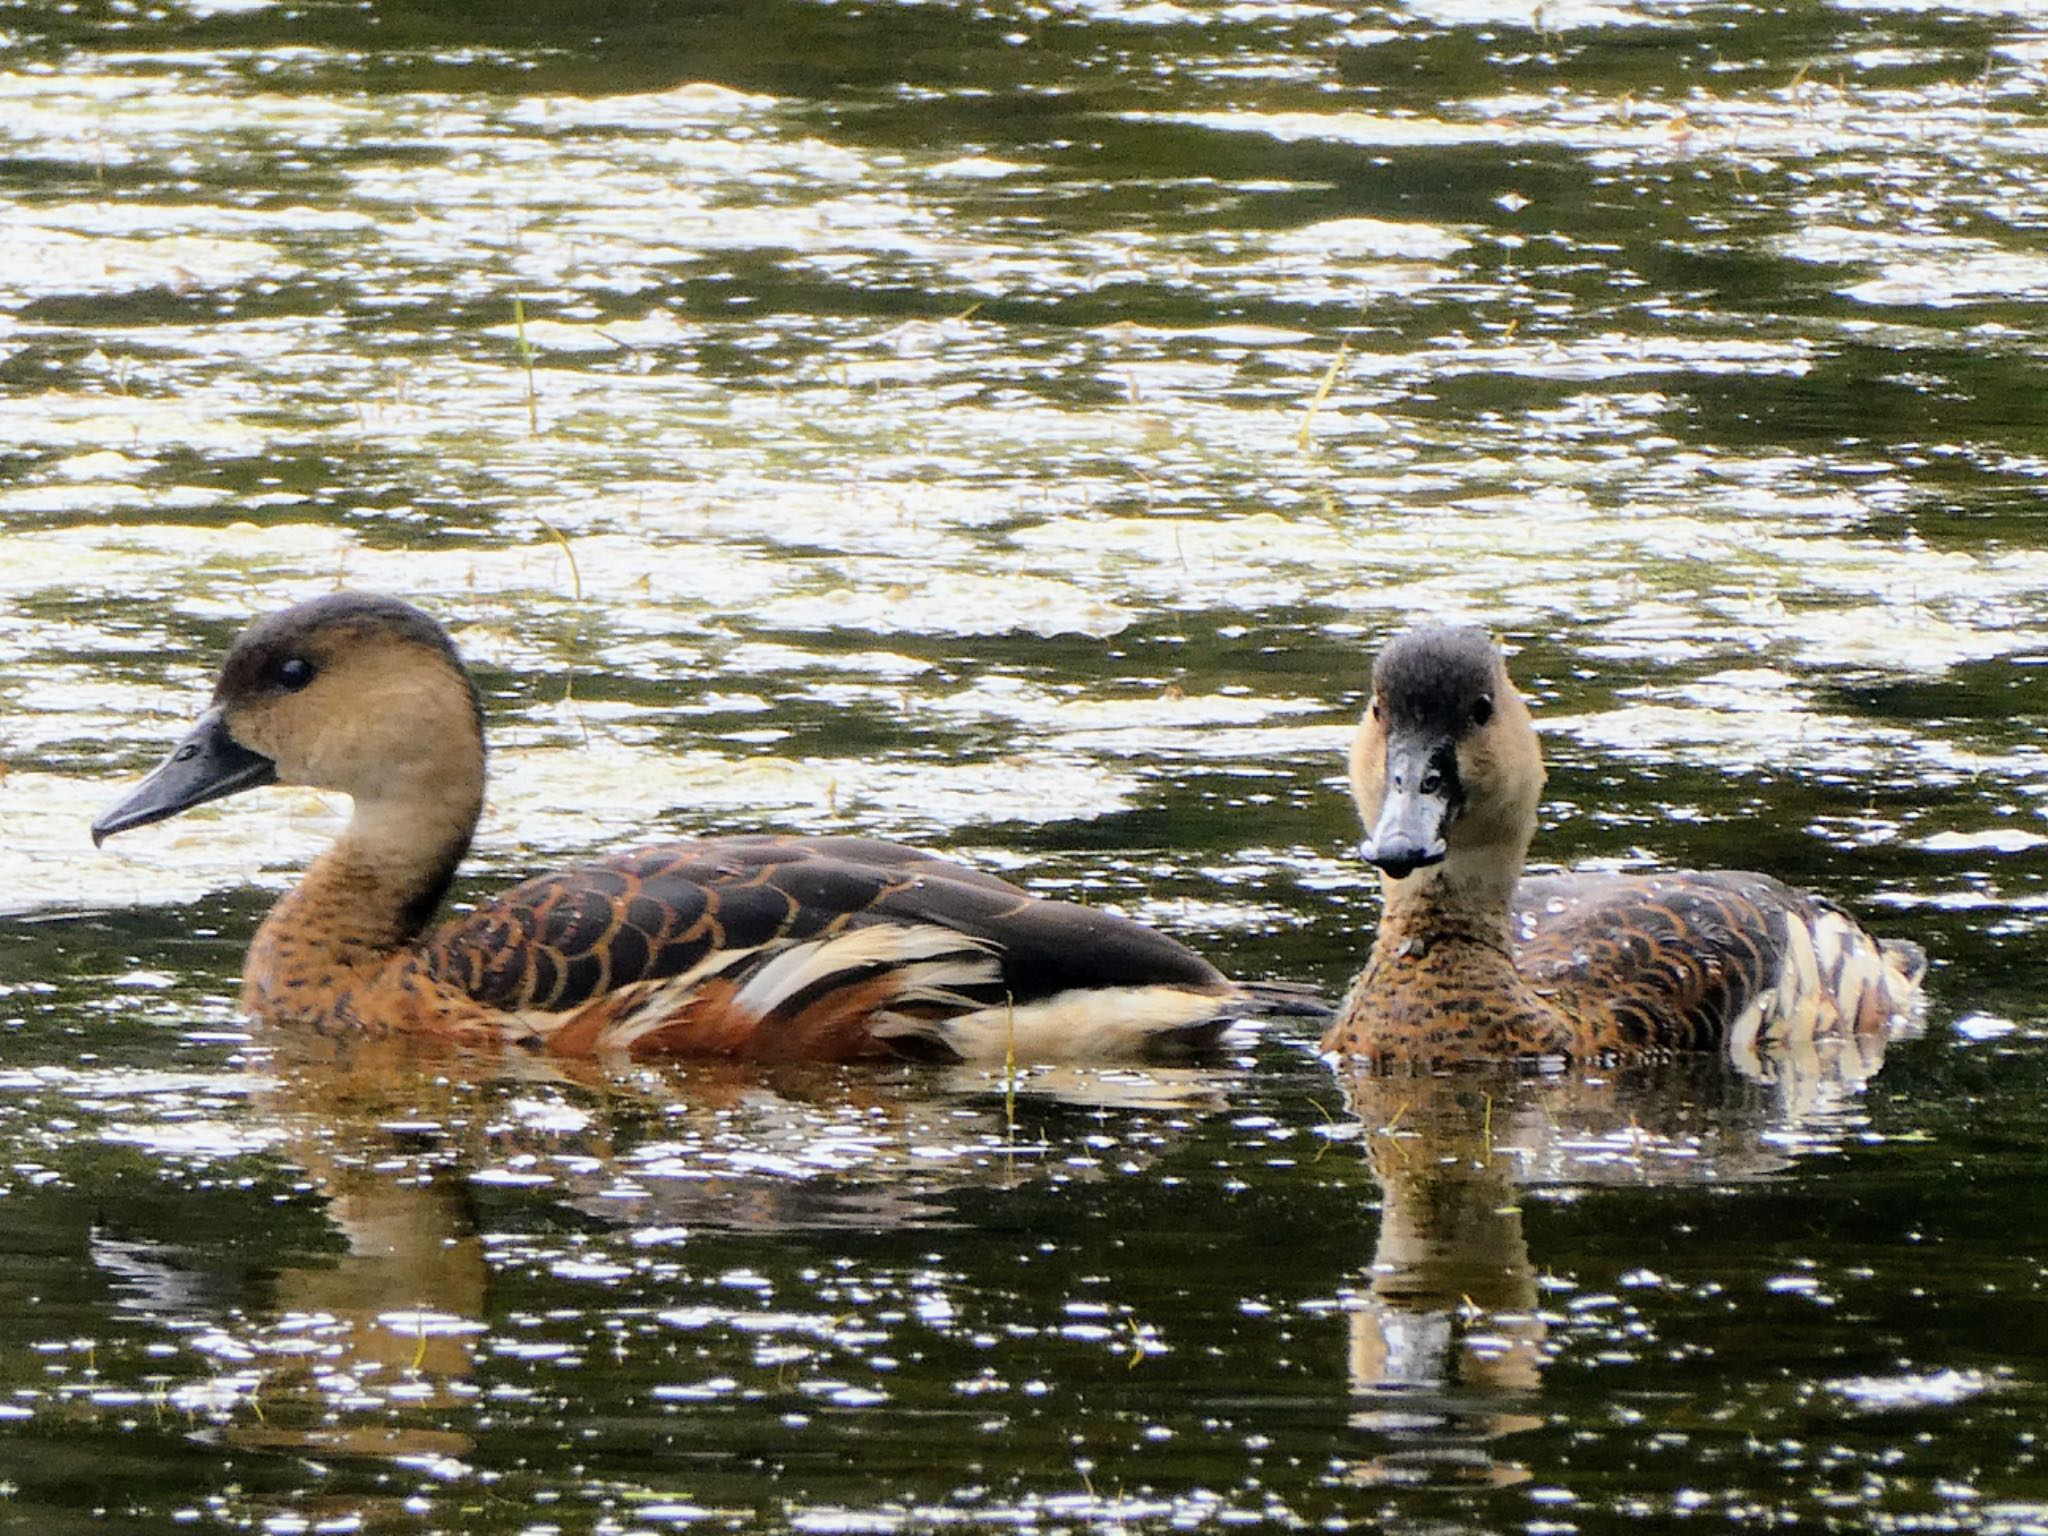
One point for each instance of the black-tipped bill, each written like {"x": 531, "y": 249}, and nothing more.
{"x": 1422, "y": 799}
{"x": 206, "y": 765}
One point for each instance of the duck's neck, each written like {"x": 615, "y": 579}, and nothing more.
{"x": 363, "y": 901}
{"x": 1442, "y": 938}
{"x": 1458, "y": 902}
{"x": 1441, "y": 984}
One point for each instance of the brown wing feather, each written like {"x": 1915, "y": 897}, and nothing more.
{"x": 706, "y": 1023}
{"x": 1671, "y": 961}
{"x": 833, "y": 1026}
{"x": 571, "y": 938}
{"x": 1676, "y": 962}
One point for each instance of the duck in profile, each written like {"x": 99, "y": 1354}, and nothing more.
{"x": 1474, "y": 963}
{"x": 772, "y": 947}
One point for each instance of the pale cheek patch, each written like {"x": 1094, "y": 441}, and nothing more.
{"x": 1369, "y": 770}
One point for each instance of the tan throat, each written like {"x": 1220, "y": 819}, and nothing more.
{"x": 360, "y": 903}
{"x": 1464, "y": 900}
{"x": 1441, "y": 984}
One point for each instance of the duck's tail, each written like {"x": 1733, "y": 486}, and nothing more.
{"x": 1285, "y": 1000}
{"x": 1106, "y": 1022}
{"x": 1904, "y": 961}
{"x": 1872, "y": 984}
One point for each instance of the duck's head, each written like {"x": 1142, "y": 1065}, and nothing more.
{"x": 350, "y": 692}
{"x": 1445, "y": 767}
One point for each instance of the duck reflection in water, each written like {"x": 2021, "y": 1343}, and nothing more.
{"x": 374, "y": 1343}
{"x": 361, "y": 1345}
{"x": 1449, "y": 1333}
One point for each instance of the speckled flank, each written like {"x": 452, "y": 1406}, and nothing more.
{"x": 761, "y": 947}
{"x": 1706, "y": 960}
{"x": 1473, "y": 963}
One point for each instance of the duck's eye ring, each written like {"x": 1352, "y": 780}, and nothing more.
{"x": 1482, "y": 709}
{"x": 293, "y": 673}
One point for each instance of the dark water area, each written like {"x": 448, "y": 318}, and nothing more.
{"x": 1012, "y": 428}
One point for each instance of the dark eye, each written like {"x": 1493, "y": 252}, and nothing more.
{"x": 293, "y": 673}
{"x": 1482, "y": 709}
{"x": 1374, "y": 710}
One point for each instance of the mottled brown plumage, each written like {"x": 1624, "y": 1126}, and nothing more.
{"x": 758, "y": 947}
{"x": 1472, "y": 962}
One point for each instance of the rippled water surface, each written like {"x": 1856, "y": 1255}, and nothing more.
{"x": 1011, "y": 427}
